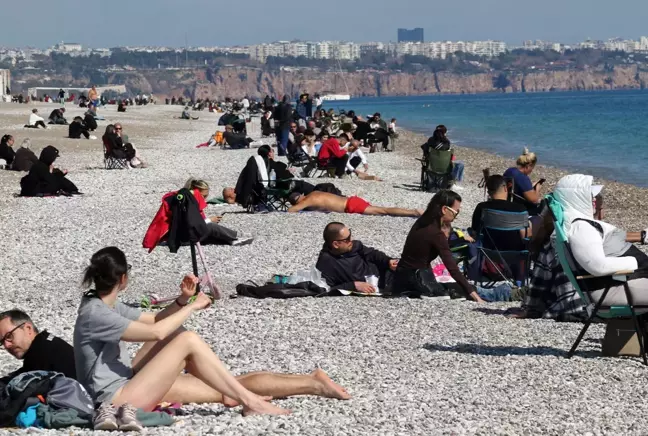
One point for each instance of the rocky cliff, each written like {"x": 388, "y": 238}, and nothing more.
{"x": 239, "y": 81}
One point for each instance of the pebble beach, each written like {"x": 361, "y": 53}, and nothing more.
{"x": 413, "y": 367}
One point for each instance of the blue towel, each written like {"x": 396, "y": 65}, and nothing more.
{"x": 27, "y": 418}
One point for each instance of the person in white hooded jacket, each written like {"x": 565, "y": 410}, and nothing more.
{"x": 600, "y": 248}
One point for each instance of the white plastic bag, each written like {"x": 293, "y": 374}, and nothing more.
{"x": 312, "y": 275}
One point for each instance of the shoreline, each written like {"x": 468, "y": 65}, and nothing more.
{"x": 624, "y": 204}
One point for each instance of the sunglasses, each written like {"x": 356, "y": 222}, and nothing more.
{"x": 118, "y": 128}
{"x": 9, "y": 336}
{"x": 347, "y": 239}
{"x": 455, "y": 212}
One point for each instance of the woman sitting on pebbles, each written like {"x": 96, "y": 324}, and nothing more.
{"x": 104, "y": 326}
{"x": 45, "y": 180}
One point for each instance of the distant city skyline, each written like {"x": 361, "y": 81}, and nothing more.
{"x": 210, "y": 23}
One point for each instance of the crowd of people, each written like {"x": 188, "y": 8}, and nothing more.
{"x": 177, "y": 366}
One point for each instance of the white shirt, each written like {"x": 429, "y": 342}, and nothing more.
{"x": 34, "y": 118}
{"x": 358, "y": 153}
{"x": 392, "y": 126}
{"x": 246, "y": 103}
{"x": 596, "y": 253}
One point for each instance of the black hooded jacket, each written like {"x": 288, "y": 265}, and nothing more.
{"x": 341, "y": 270}
{"x": 7, "y": 153}
{"x": 41, "y": 182}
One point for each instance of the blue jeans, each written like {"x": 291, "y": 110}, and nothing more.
{"x": 282, "y": 143}
{"x": 500, "y": 293}
{"x": 457, "y": 171}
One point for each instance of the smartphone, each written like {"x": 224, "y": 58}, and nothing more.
{"x": 541, "y": 181}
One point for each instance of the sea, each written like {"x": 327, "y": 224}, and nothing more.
{"x": 603, "y": 133}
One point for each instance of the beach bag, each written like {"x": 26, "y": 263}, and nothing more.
{"x": 67, "y": 393}
{"x": 620, "y": 339}
{"x": 219, "y": 138}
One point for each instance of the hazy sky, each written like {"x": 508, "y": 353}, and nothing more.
{"x": 110, "y": 23}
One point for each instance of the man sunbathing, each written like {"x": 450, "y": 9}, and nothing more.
{"x": 325, "y": 202}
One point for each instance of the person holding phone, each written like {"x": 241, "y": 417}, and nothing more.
{"x": 104, "y": 326}
{"x": 524, "y": 191}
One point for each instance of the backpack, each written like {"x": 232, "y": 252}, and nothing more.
{"x": 187, "y": 224}
{"x": 219, "y": 138}
{"x": 19, "y": 389}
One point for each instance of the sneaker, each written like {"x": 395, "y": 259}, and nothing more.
{"x": 92, "y": 137}
{"x": 127, "y": 418}
{"x": 242, "y": 241}
{"x": 456, "y": 187}
{"x": 105, "y": 418}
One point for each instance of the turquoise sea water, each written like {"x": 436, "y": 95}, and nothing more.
{"x": 599, "y": 133}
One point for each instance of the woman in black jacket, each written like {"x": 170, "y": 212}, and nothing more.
{"x": 438, "y": 140}
{"x": 43, "y": 179}
{"x": 115, "y": 145}
{"x": 6, "y": 152}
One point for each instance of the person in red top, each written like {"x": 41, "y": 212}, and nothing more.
{"x": 159, "y": 228}
{"x": 332, "y": 155}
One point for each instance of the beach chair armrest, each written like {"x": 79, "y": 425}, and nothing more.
{"x": 626, "y": 272}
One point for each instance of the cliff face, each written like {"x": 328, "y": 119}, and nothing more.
{"x": 239, "y": 81}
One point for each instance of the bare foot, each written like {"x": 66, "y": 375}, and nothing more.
{"x": 330, "y": 389}
{"x": 230, "y": 402}
{"x": 264, "y": 408}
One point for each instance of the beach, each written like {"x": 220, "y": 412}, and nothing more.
{"x": 413, "y": 367}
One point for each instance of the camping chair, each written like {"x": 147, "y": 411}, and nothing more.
{"x": 273, "y": 197}
{"x": 436, "y": 170}
{"x": 306, "y": 163}
{"x": 110, "y": 161}
{"x": 503, "y": 265}
{"x": 322, "y": 170}
{"x": 579, "y": 279}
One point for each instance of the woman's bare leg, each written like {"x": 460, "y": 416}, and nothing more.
{"x": 189, "y": 389}
{"x": 153, "y": 381}
{"x": 392, "y": 211}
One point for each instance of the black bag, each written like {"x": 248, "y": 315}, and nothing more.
{"x": 14, "y": 395}
{"x": 280, "y": 290}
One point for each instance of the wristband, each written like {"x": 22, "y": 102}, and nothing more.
{"x": 178, "y": 303}
{"x": 643, "y": 237}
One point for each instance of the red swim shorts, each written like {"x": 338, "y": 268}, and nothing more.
{"x": 356, "y": 205}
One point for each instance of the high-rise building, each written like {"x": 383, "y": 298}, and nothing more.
{"x": 413, "y": 35}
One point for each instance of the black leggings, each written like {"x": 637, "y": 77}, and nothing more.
{"x": 37, "y": 125}
{"x": 355, "y": 163}
{"x": 415, "y": 282}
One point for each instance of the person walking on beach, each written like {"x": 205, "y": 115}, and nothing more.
{"x": 104, "y": 325}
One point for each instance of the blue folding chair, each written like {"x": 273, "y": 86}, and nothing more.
{"x": 497, "y": 264}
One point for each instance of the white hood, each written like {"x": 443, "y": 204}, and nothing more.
{"x": 574, "y": 193}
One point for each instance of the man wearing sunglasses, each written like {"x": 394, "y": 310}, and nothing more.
{"x": 346, "y": 264}
{"x": 39, "y": 351}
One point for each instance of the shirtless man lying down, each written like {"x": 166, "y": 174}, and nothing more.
{"x": 325, "y": 202}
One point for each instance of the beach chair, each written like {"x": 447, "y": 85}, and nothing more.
{"x": 306, "y": 163}
{"x": 110, "y": 161}
{"x": 436, "y": 170}
{"x": 503, "y": 265}
{"x": 271, "y": 198}
{"x": 579, "y": 279}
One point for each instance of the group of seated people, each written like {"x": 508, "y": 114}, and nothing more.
{"x": 99, "y": 358}
{"x": 42, "y": 179}
{"x": 258, "y": 174}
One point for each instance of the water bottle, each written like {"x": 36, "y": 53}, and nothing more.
{"x": 273, "y": 176}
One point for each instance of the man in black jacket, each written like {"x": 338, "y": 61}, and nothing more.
{"x": 345, "y": 263}
{"x": 39, "y": 351}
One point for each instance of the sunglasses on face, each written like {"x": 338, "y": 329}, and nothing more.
{"x": 347, "y": 239}
{"x": 454, "y": 212}
{"x": 9, "y": 336}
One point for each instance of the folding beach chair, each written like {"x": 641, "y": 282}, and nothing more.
{"x": 110, "y": 161}
{"x": 579, "y": 279}
{"x": 271, "y": 198}
{"x": 436, "y": 170}
{"x": 503, "y": 265}
{"x": 187, "y": 227}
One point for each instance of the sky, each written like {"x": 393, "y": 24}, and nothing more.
{"x": 112, "y": 23}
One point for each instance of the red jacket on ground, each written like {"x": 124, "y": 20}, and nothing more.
{"x": 330, "y": 148}
{"x": 159, "y": 228}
